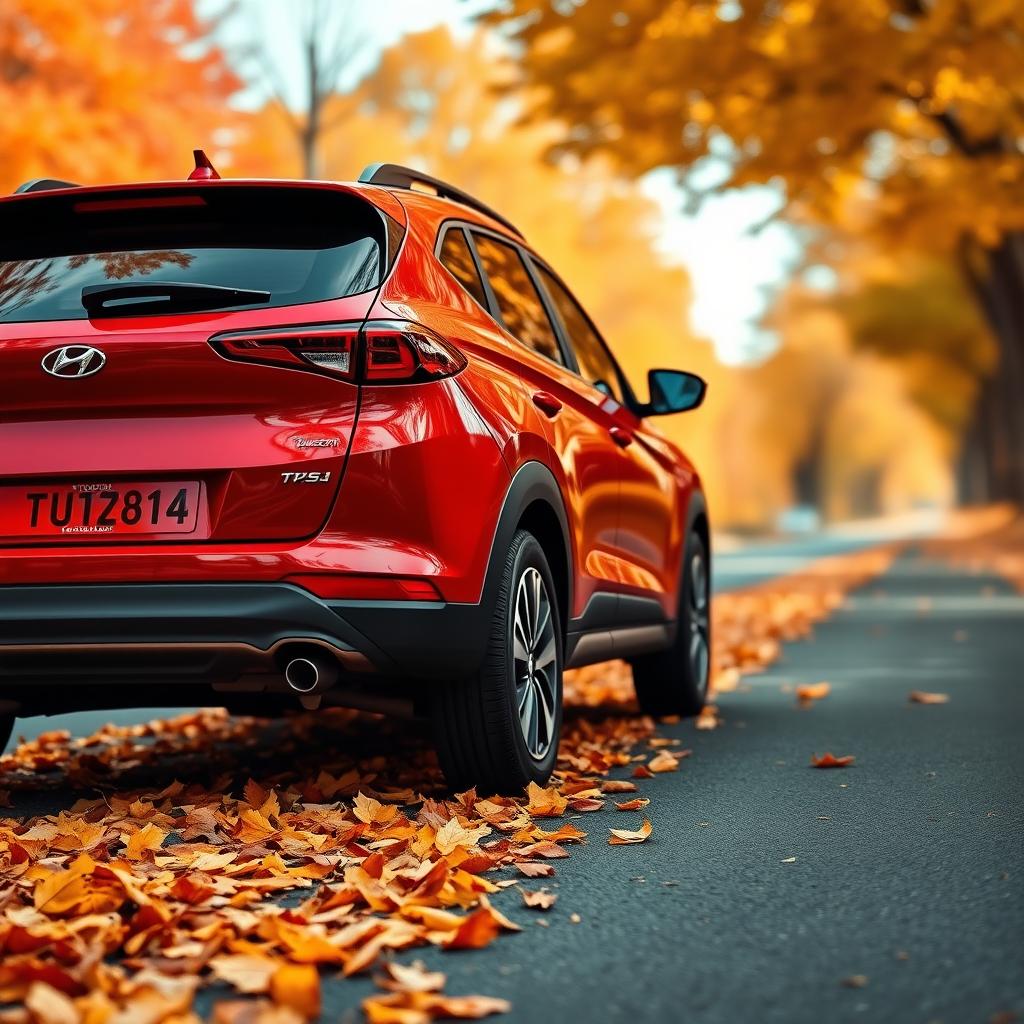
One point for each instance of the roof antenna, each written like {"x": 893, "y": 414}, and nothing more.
{"x": 204, "y": 170}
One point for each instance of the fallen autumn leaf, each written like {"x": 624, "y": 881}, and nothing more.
{"x": 829, "y": 760}
{"x": 622, "y": 837}
{"x": 924, "y": 697}
{"x": 539, "y": 899}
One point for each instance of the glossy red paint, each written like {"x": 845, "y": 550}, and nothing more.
{"x": 409, "y": 480}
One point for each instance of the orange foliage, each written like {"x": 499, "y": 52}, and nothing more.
{"x": 100, "y": 90}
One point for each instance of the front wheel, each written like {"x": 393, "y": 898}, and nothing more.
{"x": 675, "y": 682}
{"x": 499, "y": 730}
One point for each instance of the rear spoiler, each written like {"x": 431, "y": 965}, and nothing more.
{"x": 204, "y": 171}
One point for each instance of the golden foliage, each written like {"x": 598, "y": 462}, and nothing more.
{"x": 913, "y": 107}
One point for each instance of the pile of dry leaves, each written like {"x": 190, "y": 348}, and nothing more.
{"x": 999, "y": 549}
{"x": 121, "y": 907}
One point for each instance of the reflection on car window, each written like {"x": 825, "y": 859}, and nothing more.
{"x": 596, "y": 365}
{"x": 518, "y": 302}
{"x": 305, "y": 245}
{"x": 455, "y": 255}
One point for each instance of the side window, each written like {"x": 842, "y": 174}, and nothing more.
{"x": 595, "y": 363}
{"x": 455, "y": 255}
{"x": 520, "y": 306}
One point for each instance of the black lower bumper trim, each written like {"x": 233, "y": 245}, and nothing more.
{"x": 217, "y": 631}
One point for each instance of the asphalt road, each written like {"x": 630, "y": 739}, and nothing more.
{"x": 909, "y": 866}
{"x": 754, "y": 562}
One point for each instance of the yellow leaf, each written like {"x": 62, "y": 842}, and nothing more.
{"x": 248, "y": 972}
{"x": 50, "y": 1006}
{"x": 62, "y": 890}
{"x": 622, "y": 837}
{"x": 412, "y": 978}
{"x": 147, "y": 838}
{"x": 298, "y": 987}
{"x": 663, "y": 762}
{"x": 545, "y": 803}
{"x": 452, "y": 835}
{"x": 372, "y": 812}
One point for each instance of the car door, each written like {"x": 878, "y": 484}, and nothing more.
{"x": 648, "y": 536}
{"x": 579, "y": 424}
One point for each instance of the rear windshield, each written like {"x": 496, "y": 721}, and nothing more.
{"x": 300, "y": 245}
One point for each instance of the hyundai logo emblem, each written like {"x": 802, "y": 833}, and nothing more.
{"x": 74, "y": 361}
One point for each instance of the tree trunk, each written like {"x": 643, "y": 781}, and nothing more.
{"x": 998, "y": 430}
{"x": 308, "y": 143}
{"x": 311, "y": 126}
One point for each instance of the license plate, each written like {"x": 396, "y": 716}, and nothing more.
{"x": 96, "y": 510}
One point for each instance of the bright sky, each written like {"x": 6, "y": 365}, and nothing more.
{"x": 733, "y": 271}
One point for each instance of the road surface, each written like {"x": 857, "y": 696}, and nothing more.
{"x": 767, "y": 883}
{"x": 908, "y": 870}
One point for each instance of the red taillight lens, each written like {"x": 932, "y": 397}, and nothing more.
{"x": 323, "y": 348}
{"x": 381, "y": 351}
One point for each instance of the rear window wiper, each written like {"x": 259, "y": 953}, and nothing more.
{"x": 138, "y": 298}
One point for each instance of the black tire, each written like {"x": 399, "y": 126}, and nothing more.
{"x": 675, "y": 681}
{"x": 477, "y": 722}
{"x": 6, "y": 728}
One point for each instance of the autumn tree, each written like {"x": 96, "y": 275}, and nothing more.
{"x": 911, "y": 110}
{"x": 327, "y": 39}
{"x": 95, "y": 90}
{"x": 434, "y": 102}
{"x": 843, "y": 421}
{"x": 916, "y": 312}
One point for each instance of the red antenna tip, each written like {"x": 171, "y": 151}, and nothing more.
{"x": 204, "y": 170}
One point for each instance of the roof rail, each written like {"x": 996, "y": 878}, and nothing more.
{"x": 44, "y": 185}
{"x": 396, "y": 176}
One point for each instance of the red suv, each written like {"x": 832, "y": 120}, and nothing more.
{"x": 269, "y": 442}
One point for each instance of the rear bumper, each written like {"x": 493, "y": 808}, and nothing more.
{"x": 235, "y": 636}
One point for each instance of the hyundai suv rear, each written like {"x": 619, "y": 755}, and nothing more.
{"x": 268, "y": 443}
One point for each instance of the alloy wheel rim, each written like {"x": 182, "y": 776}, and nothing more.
{"x": 700, "y": 640}
{"x": 535, "y": 663}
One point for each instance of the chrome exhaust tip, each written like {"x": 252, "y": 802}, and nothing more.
{"x": 310, "y": 674}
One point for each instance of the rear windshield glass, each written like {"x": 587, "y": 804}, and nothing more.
{"x": 300, "y": 245}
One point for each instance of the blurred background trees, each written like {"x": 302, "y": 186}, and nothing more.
{"x": 101, "y": 90}
{"x": 904, "y": 118}
{"x": 893, "y": 130}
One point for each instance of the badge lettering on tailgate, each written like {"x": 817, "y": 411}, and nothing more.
{"x": 313, "y": 477}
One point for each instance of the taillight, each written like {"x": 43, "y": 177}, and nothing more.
{"x": 380, "y": 351}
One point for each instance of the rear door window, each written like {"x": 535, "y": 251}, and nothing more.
{"x": 300, "y": 245}
{"x": 519, "y": 304}
{"x": 457, "y": 258}
{"x": 596, "y": 366}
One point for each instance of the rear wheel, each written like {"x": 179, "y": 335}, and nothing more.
{"x": 675, "y": 682}
{"x": 499, "y": 730}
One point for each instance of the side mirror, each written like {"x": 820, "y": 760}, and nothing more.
{"x": 673, "y": 391}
